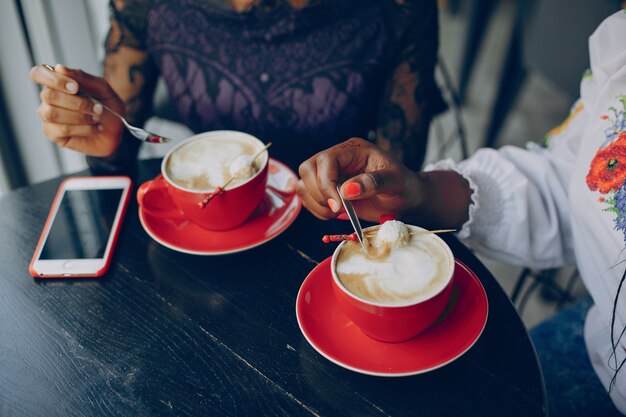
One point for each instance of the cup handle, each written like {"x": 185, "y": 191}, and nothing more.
{"x": 157, "y": 184}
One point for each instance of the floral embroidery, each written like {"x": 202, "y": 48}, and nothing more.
{"x": 607, "y": 173}
{"x": 618, "y": 124}
{"x": 608, "y": 168}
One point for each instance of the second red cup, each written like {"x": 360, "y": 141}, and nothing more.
{"x": 226, "y": 210}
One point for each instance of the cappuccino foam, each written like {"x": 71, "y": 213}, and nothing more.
{"x": 405, "y": 273}
{"x": 205, "y": 163}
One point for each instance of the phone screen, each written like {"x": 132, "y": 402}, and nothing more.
{"x": 82, "y": 225}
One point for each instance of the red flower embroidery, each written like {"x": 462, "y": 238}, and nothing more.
{"x": 608, "y": 167}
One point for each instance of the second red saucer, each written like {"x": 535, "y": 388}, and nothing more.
{"x": 277, "y": 211}
{"x": 336, "y": 338}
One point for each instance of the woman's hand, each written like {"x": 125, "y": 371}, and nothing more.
{"x": 73, "y": 121}
{"x": 372, "y": 179}
{"x": 378, "y": 184}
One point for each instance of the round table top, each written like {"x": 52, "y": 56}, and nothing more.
{"x": 170, "y": 333}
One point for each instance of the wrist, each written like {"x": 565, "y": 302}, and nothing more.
{"x": 441, "y": 199}
{"x": 122, "y": 160}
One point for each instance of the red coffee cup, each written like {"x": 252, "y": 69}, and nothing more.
{"x": 394, "y": 323}
{"x": 225, "y": 211}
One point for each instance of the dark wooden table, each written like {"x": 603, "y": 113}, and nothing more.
{"x": 166, "y": 333}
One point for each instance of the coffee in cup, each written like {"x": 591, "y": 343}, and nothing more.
{"x": 193, "y": 170}
{"x": 210, "y": 162}
{"x": 399, "y": 268}
{"x": 399, "y": 287}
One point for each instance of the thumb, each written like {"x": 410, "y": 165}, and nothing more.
{"x": 91, "y": 84}
{"x": 369, "y": 184}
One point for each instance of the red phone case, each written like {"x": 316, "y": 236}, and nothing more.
{"x": 50, "y": 218}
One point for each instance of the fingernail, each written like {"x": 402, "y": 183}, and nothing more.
{"x": 334, "y": 206}
{"x": 343, "y": 216}
{"x": 351, "y": 190}
{"x": 100, "y": 128}
{"x": 72, "y": 87}
{"x": 97, "y": 108}
{"x": 95, "y": 118}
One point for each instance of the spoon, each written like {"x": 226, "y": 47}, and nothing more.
{"x": 354, "y": 219}
{"x": 137, "y": 132}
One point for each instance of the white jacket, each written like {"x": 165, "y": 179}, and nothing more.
{"x": 565, "y": 203}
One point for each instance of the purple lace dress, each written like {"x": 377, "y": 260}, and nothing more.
{"x": 303, "y": 78}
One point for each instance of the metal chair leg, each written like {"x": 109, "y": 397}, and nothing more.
{"x": 521, "y": 279}
{"x": 451, "y": 97}
{"x": 480, "y": 13}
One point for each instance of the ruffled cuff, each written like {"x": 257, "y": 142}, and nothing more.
{"x": 488, "y": 197}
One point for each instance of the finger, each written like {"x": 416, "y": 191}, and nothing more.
{"x": 57, "y": 81}
{"x": 369, "y": 184}
{"x": 70, "y": 102}
{"x": 83, "y": 145}
{"x": 319, "y": 211}
{"x": 59, "y": 115}
{"x": 96, "y": 86}
{"x": 308, "y": 175}
{"x": 60, "y": 132}
{"x": 87, "y": 145}
{"x": 327, "y": 175}
{"x": 316, "y": 210}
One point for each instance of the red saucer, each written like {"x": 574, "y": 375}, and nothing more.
{"x": 336, "y": 338}
{"x": 277, "y": 211}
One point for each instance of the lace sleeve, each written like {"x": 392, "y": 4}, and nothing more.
{"x": 132, "y": 74}
{"x": 411, "y": 97}
{"x": 129, "y": 19}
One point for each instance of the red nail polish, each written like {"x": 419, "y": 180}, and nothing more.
{"x": 351, "y": 190}
{"x": 334, "y": 206}
{"x": 343, "y": 216}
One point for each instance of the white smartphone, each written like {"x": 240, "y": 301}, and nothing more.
{"x": 83, "y": 224}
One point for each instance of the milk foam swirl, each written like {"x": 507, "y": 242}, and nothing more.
{"x": 205, "y": 163}
{"x": 409, "y": 272}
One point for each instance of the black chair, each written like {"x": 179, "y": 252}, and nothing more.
{"x": 480, "y": 13}
{"x": 548, "y": 37}
{"x": 456, "y": 137}
{"x": 544, "y": 281}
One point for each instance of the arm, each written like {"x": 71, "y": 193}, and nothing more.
{"x": 379, "y": 184}
{"x": 510, "y": 204}
{"x": 132, "y": 75}
{"x": 520, "y": 210}
{"x": 411, "y": 98}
